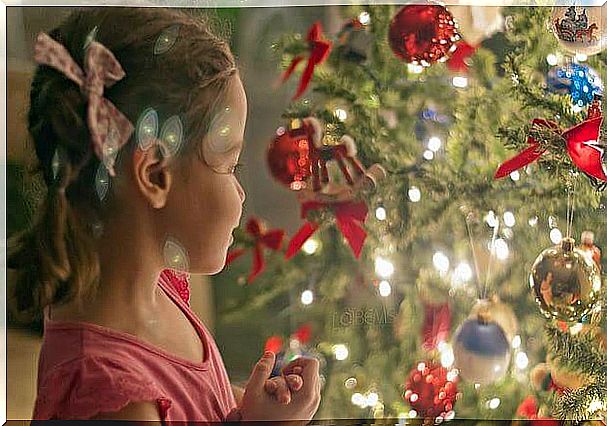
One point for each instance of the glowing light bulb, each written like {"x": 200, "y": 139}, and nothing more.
{"x": 581, "y": 57}
{"x": 552, "y": 59}
{"x": 434, "y": 143}
{"x": 385, "y": 289}
{"x": 372, "y": 399}
{"x": 515, "y": 176}
{"x": 380, "y": 213}
{"x": 340, "y": 114}
{"x": 307, "y": 297}
{"x": 414, "y": 194}
{"x": 441, "y": 262}
{"x": 501, "y": 249}
{"x": 509, "y": 219}
{"x": 364, "y": 18}
{"x": 447, "y": 358}
{"x": 494, "y": 403}
{"x": 412, "y": 414}
{"x": 358, "y": 399}
{"x": 310, "y": 246}
{"x": 516, "y": 342}
{"x": 533, "y": 221}
{"x": 491, "y": 219}
{"x": 556, "y": 236}
{"x": 340, "y": 351}
{"x": 428, "y": 155}
{"x": 384, "y": 268}
{"x": 522, "y": 361}
{"x": 460, "y": 82}
{"x": 415, "y": 68}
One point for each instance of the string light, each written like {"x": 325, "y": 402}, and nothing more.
{"x": 415, "y": 68}
{"x": 412, "y": 414}
{"x": 364, "y": 18}
{"x": 340, "y": 351}
{"x": 556, "y": 236}
{"x": 460, "y": 82}
{"x": 501, "y": 249}
{"x": 552, "y": 59}
{"x": 522, "y": 361}
{"x": 380, "y": 213}
{"x": 358, "y": 399}
{"x": 440, "y": 262}
{"x": 311, "y": 246}
{"x": 596, "y": 405}
{"x": 533, "y": 221}
{"x": 372, "y": 399}
{"x": 414, "y": 194}
{"x": 447, "y": 358}
{"x": 428, "y": 155}
{"x": 491, "y": 219}
{"x": 509, "y": 219}
{"x": 434, "y": 143}
{"x": 385, "y": 289}
{"x": 581, "y": 57}
{"x": 515, "y": 176}
{"x": 461, "y": 274}
{"x": 384, "y": 268}
{"x": 516, "y": 342}
{"x": 340, "y": 114}
{"x": 494, "y": 403}
{"x": 307, "y": 297}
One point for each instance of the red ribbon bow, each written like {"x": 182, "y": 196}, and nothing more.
{"x": 318, "y": 51}
{"x": 582, "y": 145}
{"x": 271, "y": 239}
{"x": 350, "y": 216}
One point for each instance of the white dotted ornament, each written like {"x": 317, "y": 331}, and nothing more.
{"x": 171, "y": 136}
{"x": 166, "y": 39}
{"x": 147, "y": 128}
{"x": 102, "y": 182}
{"x": 175, "y": 255}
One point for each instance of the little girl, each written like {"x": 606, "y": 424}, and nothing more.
{"x": 137, "y": 116}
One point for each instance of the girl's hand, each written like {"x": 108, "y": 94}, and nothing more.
{"x": 258, "y": 405}
{"x": 282, "y": 387}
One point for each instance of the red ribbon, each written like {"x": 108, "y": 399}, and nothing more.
{"x": 318, "y": 52}
{"x": 436, "y": 325}
{"x": 350, "y": 216}
{"x": 271, "y": 239}
{"x": 582, "y": 145}
{"x": 457, "y": 61}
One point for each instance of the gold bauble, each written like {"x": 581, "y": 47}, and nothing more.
{"x": 580, "y": 29}
{"x": 566, "y": 283}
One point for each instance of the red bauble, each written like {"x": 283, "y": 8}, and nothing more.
{"x": 423, "y": 34}
{"x": 289, "y": 157}
{"x": 431, "y": 390}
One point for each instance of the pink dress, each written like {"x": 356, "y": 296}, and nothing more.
{"x": 86, "y": 369}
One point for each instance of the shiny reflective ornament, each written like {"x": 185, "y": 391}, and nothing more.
{"x": 166, "y": 39}
{"x": 580, "y": 29}
{"x": 423, "y": 34}
{"x": 175, "y": 255}
{"x": 565, "y": 281}
{"x": 289, "y": 156}
{"x": 579, "y": 81}
{"x": 147, "y": 128}
{"x": 102, "y": 182}
{"x": 482, "y": 343}
{"x": 171, "y": 136}
{"x": 431, "y": 390}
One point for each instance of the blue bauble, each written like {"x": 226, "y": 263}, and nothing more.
{"x": 579, "y": 81}
{"x": 481, "y": 350}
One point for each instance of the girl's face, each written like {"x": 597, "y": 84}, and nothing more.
{"x": 207, "y": 197}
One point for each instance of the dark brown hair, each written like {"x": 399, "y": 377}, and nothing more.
{"x": 56, "y": 260}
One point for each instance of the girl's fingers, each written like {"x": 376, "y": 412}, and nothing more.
{"x": 277, "y": 386}
{"x": 294, "y": 381}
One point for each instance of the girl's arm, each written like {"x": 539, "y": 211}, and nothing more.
{"x": 144, "y": 412}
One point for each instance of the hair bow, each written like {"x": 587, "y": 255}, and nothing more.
{"x": 110, "y": 129}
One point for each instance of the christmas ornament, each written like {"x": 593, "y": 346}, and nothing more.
{"x": 260, "y": 238}
{"x": 289, "y": 156}
{"x": 579, "y": 81}
{"x": 590, "y": 249}
{"x": 423, "y": 34}
{"x": 355, "y": 41}
{"x": 482, "y": 345}
{"x": 339, "y": 198}
{"x": 459, "y": 60}
{"x": 431, "y": 390}
{"x": 476, "y": 23}
{"x": 565, "y": 281}
{"x": 579, "y": 29}
{"x": 319, "y": 50}
{"x": 528, "y": 409}
{"x": 582, "y": 144}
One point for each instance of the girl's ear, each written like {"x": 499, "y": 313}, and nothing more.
{"x": 152, "y": 175}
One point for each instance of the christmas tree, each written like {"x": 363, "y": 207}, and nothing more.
{"x": 420, "y": 289}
